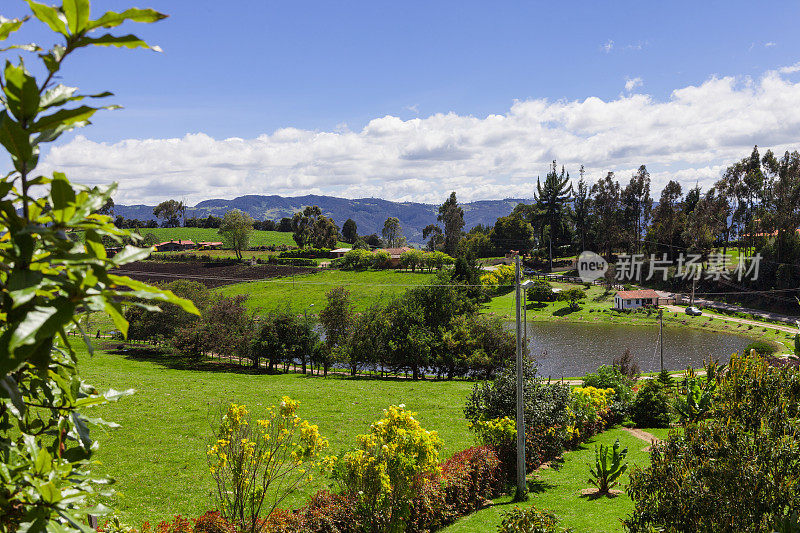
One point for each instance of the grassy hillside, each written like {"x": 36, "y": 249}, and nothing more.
{"x": 158, "y": 454}
{"x": 299, "y": 292}
{"x": 257, "y": 238}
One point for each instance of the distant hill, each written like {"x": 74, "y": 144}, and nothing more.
{"x": 369, "y": 213}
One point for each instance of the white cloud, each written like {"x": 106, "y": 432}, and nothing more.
{"x": 608, "y": 46}
{"x": 413, "y": 108}
{"x": 770, "y": 44}
{"x": 690, "y": 136}
{"x": 632, "y": 83}
{"x": 790, "y": 69}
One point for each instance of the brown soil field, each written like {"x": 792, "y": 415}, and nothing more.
{"x": 211, "y": 274}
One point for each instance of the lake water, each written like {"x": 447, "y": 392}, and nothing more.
{"x": 570, "y": 349}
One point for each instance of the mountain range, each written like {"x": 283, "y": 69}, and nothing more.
{"x": 368, "y": 213}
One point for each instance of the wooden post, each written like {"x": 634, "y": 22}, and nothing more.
{"x": 521, "y": 493}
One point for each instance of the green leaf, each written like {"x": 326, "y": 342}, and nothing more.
{"x": 66, "y": 117}
{"x": 43, "y": 462}
{"x": 22, "y": 93}
{"x": 9, "y": 389}
{"x": 120, "y": 41}
{"x": 32, "y": 47}
{"x": 50, "y": 16}
{"x": 112, "y": 19}
{"x": 8, "y": 26}
{"x": 61, "y": 191}
{"x": 50, "y": 493}
{"x": 130, "y": 254}
{"x": 83, "y": 431}
{"x": 22, "y": 286}
{"x": 41, "y": 322}
{"x": 114, "y": 310}
{"x": 14, "y": 138}
{"x": 77, "y": 13}
{"x": 61, "y": 94}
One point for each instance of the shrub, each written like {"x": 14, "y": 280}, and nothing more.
{"x": 389, "y": 467}
{"x": 468, "y": 481}
{"x": 589, "y": 407}
{"x": 651, "y": 406}
{"x": 212, "y": 522}
{"x": 607, "y": 469}
{"x": 736, "y": 470}
{"x": 612, "y": 377}
{"x": 530, "y": 520}
{"x": 249, "y": 457}
{"x": 328, "y": 513}
{"x": 761, "y": 347}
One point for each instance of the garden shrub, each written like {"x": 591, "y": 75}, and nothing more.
{"x": 735, "y": 471}
{"x": 651, "y": 407}
{"x": 546, "y": 411}
{"x": 529, "y": 520}
{"x": 612, "y": 377}
{"x": 212, "y": 522}
{"x": 469, "y": 479}
{"x": 257, "y": 463}
{"x": 389, "y": 468}
{"x": 589, "y": 409}
{"x": 328, "y": 513}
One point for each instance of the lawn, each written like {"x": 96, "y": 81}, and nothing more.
{"x": 299, "y": 292}
{"x": 158, "y": 454}
{"x": 558, "y": 489}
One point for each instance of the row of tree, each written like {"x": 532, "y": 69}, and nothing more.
{"x": 430, "y": 329}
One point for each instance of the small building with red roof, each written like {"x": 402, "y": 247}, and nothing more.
{"x": 635, "y": 299}
{"x": 175, "y": 246}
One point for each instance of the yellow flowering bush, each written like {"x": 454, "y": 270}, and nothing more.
{"x": 588, "y": 409}
{"x": 502, "y": 275}
{"x": 498, "y": 433}
{"x": 388, "y": 468}
{"x": 248, "y": 456}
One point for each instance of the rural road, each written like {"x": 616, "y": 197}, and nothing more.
{"x": 779, "y": 327}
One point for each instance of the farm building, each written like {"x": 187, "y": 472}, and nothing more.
{"x": 635, "y": 299}
{"x": 209, "y": 245}
{"x": 339, "y": 252}
{"x": 394, "y": 255}
{"x": 175, "y": 246}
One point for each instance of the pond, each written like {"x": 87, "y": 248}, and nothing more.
{"x": 573, "y": 349}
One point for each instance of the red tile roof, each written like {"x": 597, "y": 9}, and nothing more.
{"x": 182, "y": 243}
{"x": 644, "y": 293}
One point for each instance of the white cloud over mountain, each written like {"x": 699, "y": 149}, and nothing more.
{"x": 691, "y": 136}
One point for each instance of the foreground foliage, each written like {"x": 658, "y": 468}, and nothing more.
{"x": 745, "y": 453}
{"x": 47, "y": 278}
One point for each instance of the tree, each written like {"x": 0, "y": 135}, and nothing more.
{"x": 636, "y": 205}
{"x": 235, "y": 229}
{"x": 541, "y": 291}
{"x": 311, "y": 227}
{"x": 606, "y": 207}
{"x": 393, "y": 233}
{"x": 512, "y": 233}
{"x": 437, "y": 237}
{"x": 285, "y": 225}
{"x": 337, "y": 317}
{"x": 582, "y": 206}
{"x": 668, "y": 217}
{"x": 350, "y": 231}
{"x": 572, "y": 296}
{"x": 169, "y": 211}
{"x": 107, "y": 209}
{"x": 45, "y": 446}
{"x": 551, "y": 201}
{"x": 411, "y": 259}
{"x": 452, "y": 217}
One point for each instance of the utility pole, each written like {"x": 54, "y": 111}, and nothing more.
{"x": 691, "y": 302}
{"x": 661, "y": 335}
{"x": 521, "y": 493}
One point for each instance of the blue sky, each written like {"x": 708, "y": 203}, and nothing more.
{"x": 246, "y": 69}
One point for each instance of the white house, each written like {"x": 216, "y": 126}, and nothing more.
{"x": 635, "y": 299}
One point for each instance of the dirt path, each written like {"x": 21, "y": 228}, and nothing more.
{"x": 649, "y": 438}
{"x": 787, "y": 329}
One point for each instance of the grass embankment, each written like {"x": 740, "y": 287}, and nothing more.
{"x": 299, "y": 292}
{"x": 158, "y": 454}
{"x": 596, "y": 308}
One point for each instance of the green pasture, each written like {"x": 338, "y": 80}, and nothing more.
{"x": 299, "y": 292}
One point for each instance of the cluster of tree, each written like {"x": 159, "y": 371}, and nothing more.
{"x": 208, "y": 222}
{"x": 133, "y": 223}
{"x": 429, "y": 329}
{"x": 312, "y": 228}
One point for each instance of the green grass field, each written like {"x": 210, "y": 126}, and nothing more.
{"x": 158, "y": 454}
{"x": 257, "y": 238}
{"x": 299, "y": 292}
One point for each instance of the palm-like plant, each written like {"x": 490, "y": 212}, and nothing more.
{"x": 608, "y": 467}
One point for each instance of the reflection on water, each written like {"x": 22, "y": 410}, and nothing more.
{"x": 569, "y": 349}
